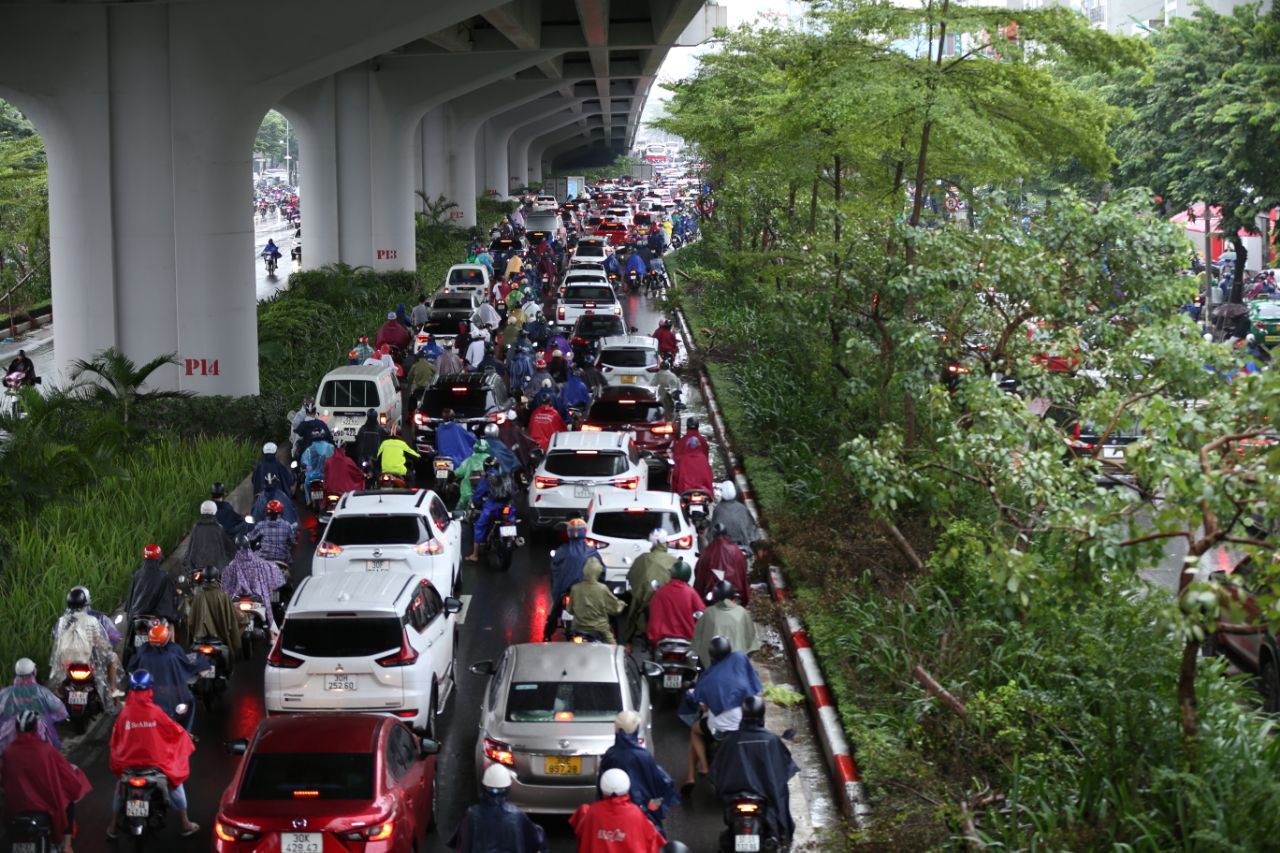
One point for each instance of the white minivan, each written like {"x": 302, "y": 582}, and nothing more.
{"x": 347, "y": 394}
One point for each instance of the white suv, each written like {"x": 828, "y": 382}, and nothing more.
{"x": 619, "y": 524}
{"x": 380, "y": 643}
{"x": 393, "y": 530}
{"x": 578, "y": 298}
{"x": 628, "y": 360}
{"x": 576, "y": 465}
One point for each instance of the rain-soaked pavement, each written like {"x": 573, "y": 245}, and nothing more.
{"x": 500, "y": 610}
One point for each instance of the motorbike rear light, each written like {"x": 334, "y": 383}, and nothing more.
{"x": 328, "y": 549}
{"x": 746, "y": 808}
{"x": 382, "y": 419}
{"x": 673, "y": 656}
{"x": 431, "y": 546}
{"x": 697, "y": 498}
{"x": 138, "y": 781}
{"x": 79, "y": 671}
{"x": 632, "y": 483}
{"x": 662, "y": 429}
{"x": 332, "y": 498}
{"x": 245, "y": 604}
{"x": 206, "y": 650}
{"x": 280, "y": 660}
{"x": 541, "y": 482}
{"x": 684, "y": 542}
{"x": 405, "y": 656}
{"x": 499, "y": 752}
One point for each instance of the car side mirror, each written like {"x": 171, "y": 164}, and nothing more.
{"x": 452, "y": 605}
{"x": 457, "y": 515}
{"x": 652, "y": 669}
{"x": 427, "y": 746}
{"x": 484, "y": 667}
{"x": 239, "y": 746}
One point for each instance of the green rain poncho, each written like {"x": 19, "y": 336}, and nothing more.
{"x": 592, "y": 604}
{"x": 649, "y": 567}
{"x": 470, "y": 465}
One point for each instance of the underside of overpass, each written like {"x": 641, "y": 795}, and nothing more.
{"x": 148, "y": 113}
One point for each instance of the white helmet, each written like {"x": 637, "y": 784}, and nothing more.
{"x": 615, "y": 782}
{"x": 728, "y": 491}
{"x": 269, "y": 448}
{"x": 24, "y": 666}
{"x": 657, "y": 535}
{"x": 496, "y": 776}
{"x": 208, "y": 508}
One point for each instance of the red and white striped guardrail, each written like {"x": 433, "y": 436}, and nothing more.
{"x": 835, "y": 747}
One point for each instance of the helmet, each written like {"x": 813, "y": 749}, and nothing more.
{"x": 693, "y": 425}
{"x": 218, "y": 490}
{"x": 753, "y": 710}
{"x": 274, "y": 508}
{"x": 556, "y": 353}
{"x": 213, "y": 573}
{"x": 681, "y": 571}
{"x": 270, "y": 448}
{"x": 728, "y": 491}
{"x": 447, "y": 414}
{"x": 720, "y": 649}
{"x": 674, "y": 847}
{"x": 491, "y": 430}
{"x": 664, "y": 322}
{"x": 24, "y": 666}
{"x": 615, "y": 782}
{"x": 364, "y": 339}
{"x": 371, "y": 413}
{"x": 718, "y": 529}
{"x": 309, "y": 406}
{"x": 242, "y": 541}
{"x": 27, "y": 721}
{"x": 723, "y": 591}
{"x": 577, "y": 528}
{"x": 627, "y": 721}
{"x": 153, "y": 552}
{"x": 540, "y": 362}
{"x": 666, "y": 365}
{"x": 496, "y": 777}
{"x": 158, "y": 635}
{"x": 77, "y": 598}
{"x": 141, "y": 680}
{"x": 482, "y": 446}
{"x": 657, "y": 535}
{"x": 208, "y": 508}
{"x": 391, "y": 315}
{"x": 490, "y": 463}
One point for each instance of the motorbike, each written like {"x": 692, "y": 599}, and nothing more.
{"x": 315, "y": 493}
{"x": 17, "y": 378}
{"x": 139, "y": 629}
{"x": 503, "y": 539}
{"x": 212, "y": 683}
{"x": 745, "y": 827}
{"x": 327, "y": 506}
{"x": 253, "y": 613}
{"x": 633, "y": 281}
{"x": 577, "y": 417}
{"x": 697, "y": 505}
{"x": 30, "y": 832}
{"x": 655, "y": 284}
{"x": 272, "y": 263}
{"x": 387, "y": 480}
{"x": 679, "y": 666}
{"x": 79, "y": 692}
{"x": 445, "y": 481}
{"x": 144, "y": 802}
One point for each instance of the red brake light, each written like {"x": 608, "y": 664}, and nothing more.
{"x": 405, "y": 656}
{"x": 79, "y": 671}
{"x": 541, "y": 482}
{"x": 328, "y": 549}
{"x": 499, "y": 752}
{"x": 597, "y": 544}
{"x": 419, "y": 418}
{"x": 279, "y": 659}
{"x": 138, "y": 781}
{"x": 306, "y": 794}
{"x": 206, "y": 650}
{"x": 431, "y": 546}
{"x": 635, "y": 509}
{"x": 245, "y": 604}
{"x": 684, "y": 542}
{"x": 662, "y": 429}
{"x": 458, "y": 389}
{"x": 579, "y": 341}
{"x": 560, "y": 313}
{"x": 632, "y": 483}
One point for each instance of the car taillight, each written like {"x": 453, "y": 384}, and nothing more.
{"x": 378, "y": 832}
{"x": 279, "y": 659}
{"x": 406, "y": 655}
{"x": 653, "y": 369}
{"x": 419, "y": 418}
{"x": 662, "y": 429}
{"x": 577, "y": 341}
{"x": 617, "y": 309}
{"x": 230, "y": 832}
{"x": 541, "y": 482}
{"x": 499, "y": 752}
{"x": 432, "y": 546}
{"x": 560, "y": 313}
{"x": 79, "y": 671}
{"x": 328, "y": 549}
{"x": 597, "y": 544}
{"x": 632, "y": 483}
{"x": 684, "y": 542}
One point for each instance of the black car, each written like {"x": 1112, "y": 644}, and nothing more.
{"x": 588, "y": 330}
{"x": 503, "y": 248}
{"x": 448, "y": 309}
{"x": 473, "y": 397}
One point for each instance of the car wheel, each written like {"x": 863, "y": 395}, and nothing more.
{"x": 429, "y": 728}
{"x": 433, "y": 821}
{"x": 1270, "y": 687}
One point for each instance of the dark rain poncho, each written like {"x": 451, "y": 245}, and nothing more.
{"x": 495, "y": 826}
{"x": 209, "y": 545}
{"x": 756, "y": 761}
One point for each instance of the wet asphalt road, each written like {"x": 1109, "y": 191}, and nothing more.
{"x": 500, "y": 609}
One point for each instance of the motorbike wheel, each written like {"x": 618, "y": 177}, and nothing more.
{"x": 80, "y": 724}
{"x": 246, "y": 647}
{"x": 500, "y": 557}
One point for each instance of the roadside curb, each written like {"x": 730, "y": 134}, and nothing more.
{"x": 835, "y": 747}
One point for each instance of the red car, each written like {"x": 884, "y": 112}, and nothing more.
{"x": 329, "y": 782}
{"x": 615, "y": 231}
{"x": 636, "y": 408}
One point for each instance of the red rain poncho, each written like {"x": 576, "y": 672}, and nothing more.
{"x": 145, "y": 736}
{"x": 37, "y": 778}
{"x": 724, "y": 555}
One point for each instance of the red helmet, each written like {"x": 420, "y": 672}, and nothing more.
{"x": 152, "y": 552}
{"x": 274, "y": 507}
{"x": 364, "y": 339}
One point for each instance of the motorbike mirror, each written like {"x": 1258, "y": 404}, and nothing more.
{"x": 239, "y": 746}
{"x": 652, "y": 669}
{"x": 698, "y": 615}
{"x": 248, "y": 519}
{"x": 553, "y": 552}
{"x": 181, "y": 708}
{"x": 452, "y": 605}
{"x": 119, "y": 620}
{"x": 293, "y": 464}
{"x": 484, "y": 667}
{"x": 427, "y": 746}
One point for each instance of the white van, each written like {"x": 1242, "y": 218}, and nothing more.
{"x": 347, "y": 393}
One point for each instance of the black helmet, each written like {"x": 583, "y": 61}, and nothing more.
{"x": 213, "y": 573}
{"x": 720, "y": 649}
{"x": 218, "y": 490}
{"x": 490, "y": 463}
{"x": 753, "y": 710}
{"x": 723, "y": 591}
{"x": 242, "y": 541}
{"x": 693, "y": 425}
{"x": 447, "y": 414}
{"x": 309, "y": 406}
{"x": 27, "y": 721}
{"x": 674, "y": 847}
{"x": 77, "y": 598}
{"x": 666, "y": 365}
{"x": 718, "y": 529}
{"x": 372, "y": 414}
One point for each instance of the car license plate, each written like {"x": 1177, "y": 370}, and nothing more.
{"x": 564, "y": 765}
{"x": 137, "y": 808}
{"x": 23, "y": 847}
{"x": 302, "y": 842}
{"x": 507, "y": 530}
{"x": 582, "y": 492}
{"x": 375, "y": 565}
{"x": 746, "y": 843}
{"x": 78, "y": 697}
{"x": 672, "y": 680}
{"x": 1112, "y": 453}
{"x": 340, "y": 683}
{"x": 442, "y": 474}
{"x": 628, "y": 380}
{"x": 209, "y": 673}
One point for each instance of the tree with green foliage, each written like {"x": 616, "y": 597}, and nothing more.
{"x": 276, "y": 140}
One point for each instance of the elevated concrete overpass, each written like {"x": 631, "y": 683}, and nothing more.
{"x": 148, "y": 112}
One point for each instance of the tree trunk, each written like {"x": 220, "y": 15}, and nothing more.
{"x": 1237, "y": 280}
{"x": 813, "y": 207}
{"x": 1187, "y": 690}
{"x": 791, "y": 204}
{"x": 837, "y": 193}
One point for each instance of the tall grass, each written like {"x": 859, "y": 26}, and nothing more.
{"x": 95, "y": 536}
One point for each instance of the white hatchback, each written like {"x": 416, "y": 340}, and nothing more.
{"x": 619, "y": 524}
{"x": 393, "y": 530}
{"x": 576, "y": 466}
{"x": 628, "y": 360}
{"x": 380, "y": 643}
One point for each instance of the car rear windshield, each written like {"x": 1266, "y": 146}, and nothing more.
{"x": 467, "y": 401}
{"x": 590, "y": 292}
{"x": 630, "y": 357}
{"x": 576, "y": 463}
{"x": 625, "y": 411}
{"x": 341, "y": 637}
{"x": 598, "y": 325}
{"x": 466, "y": 277}
{"x": 591, "y": 250}
{"x": 451, "y": 303}
{"x": 642, "y": 219}
{"x": 621, "y": 524}
{"x": 308, "y": 775}
{"x": 374, "y": 530}
{"x": 1267, "y": 310}
{"x": 350, "y": 394}
{"x": 563, "y": 701}
{"x": 503, "y": 245}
